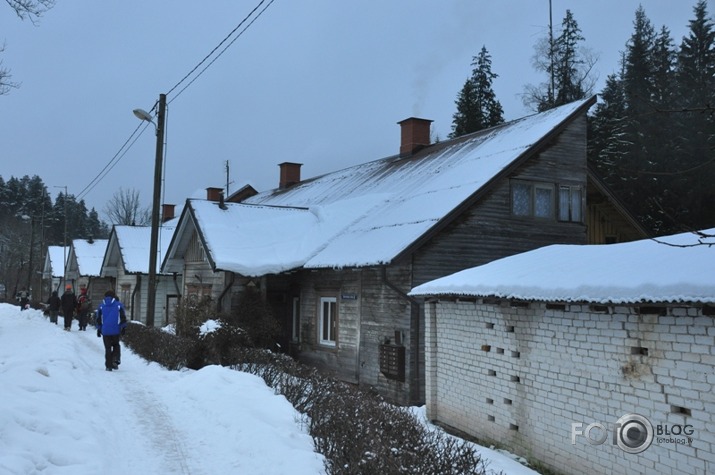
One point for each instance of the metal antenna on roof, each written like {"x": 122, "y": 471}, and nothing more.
{"x": 227, "y": 179}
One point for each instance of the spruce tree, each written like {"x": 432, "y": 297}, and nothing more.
{"x": 696, "y": 122}
{"x": 477, "y": 105}
{"x": 568, "y": 66}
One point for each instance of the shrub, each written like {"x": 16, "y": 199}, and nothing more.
{"x": 254, "y": 316}
{"x": 153, "y": 344}
{"x": 356, "y": 430}
{"x": 191, "y": 312}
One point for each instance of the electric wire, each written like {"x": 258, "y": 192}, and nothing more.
{"x": 216, "y": 47}
{"x": 114, "y": 160}
{"x": 127, "y": 145}
{"x": 223, "y": 50}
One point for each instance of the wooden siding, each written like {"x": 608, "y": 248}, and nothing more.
{"x": 606, "y": 224}
{"x": 369, "y": 313}
{"x": 488, "y": 230}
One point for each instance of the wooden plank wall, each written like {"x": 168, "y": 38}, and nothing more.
{"x": 488, "y": 231}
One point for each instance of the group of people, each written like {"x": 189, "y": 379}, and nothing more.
{"x": 110, "y": 319}
{"x": 69, "y": 305}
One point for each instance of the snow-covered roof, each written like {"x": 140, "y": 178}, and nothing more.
{"x": 370, "y": 213}
{"x": 134, "y": 243}
{"x": 89, "y": 255}
{"x": 56, "y": 256}
{"x": 676, "y": 268}
{"x": 256, "y": 240}
{"x": 402, "y": 198}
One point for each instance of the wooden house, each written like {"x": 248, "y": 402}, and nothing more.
{"x": 126, "y": 264}
{"x": 336, "y": 255}
{"x": 84, "y": 264}
{"x": 53, "y": 271}
{"x": 532, "y": 352}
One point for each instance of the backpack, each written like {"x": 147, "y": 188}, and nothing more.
{"x": 85, "y": 303}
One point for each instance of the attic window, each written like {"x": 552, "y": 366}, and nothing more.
{"x": 570, "y": 203}
{"x": 532, "y": 199}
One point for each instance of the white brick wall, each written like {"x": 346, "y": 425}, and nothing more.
{"x": 520, "y": 376}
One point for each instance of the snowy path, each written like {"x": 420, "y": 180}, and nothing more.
{"x": 62, "y": 413}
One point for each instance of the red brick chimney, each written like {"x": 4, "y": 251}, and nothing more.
{"x": 414, "y": 135}
{"x": 290, "y": 174}
{"x": 214, "y": 194}
{"x": 167, "y": 212}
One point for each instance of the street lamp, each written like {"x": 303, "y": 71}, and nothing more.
{"x": 151, "y": 291}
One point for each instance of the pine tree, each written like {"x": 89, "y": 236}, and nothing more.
{"x": 477, "y": 106}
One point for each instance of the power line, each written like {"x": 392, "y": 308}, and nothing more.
{"x": 132, "y": 139}
{"x": 223, "y": 50}
{"x": 114, "y": 160}
{"x": 217, "y": 47}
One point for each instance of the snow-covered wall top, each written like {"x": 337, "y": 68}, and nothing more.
{"x": 676, "y": 268}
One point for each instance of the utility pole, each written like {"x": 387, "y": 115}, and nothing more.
{"x": 64, "y": 243}
{"x": 552, "y": 92}
{"x": 153, "y": 248}
{"x": 32, "y": 244}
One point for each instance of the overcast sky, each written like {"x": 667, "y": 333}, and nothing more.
{"x": 318, "y": 82}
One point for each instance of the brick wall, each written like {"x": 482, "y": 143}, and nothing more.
{"x": 520, "y": 375}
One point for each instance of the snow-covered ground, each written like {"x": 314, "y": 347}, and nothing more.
{"x": 62, "y": 413}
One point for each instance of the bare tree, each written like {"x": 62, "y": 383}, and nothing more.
{"x": 26, "y": 10}
{"x": 125, "y": 208}
{"x": 5, "y": 83}
{"x": 30, "y": 9}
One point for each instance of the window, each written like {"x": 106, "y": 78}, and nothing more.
{"x": 125, "y": 295}
{"x": 328, "y": 319}
{"x": 295, "y": 334}
{"x": 532, "y": 199}
{"x": 570, "y": 203}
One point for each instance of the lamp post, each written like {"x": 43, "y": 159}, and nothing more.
{"x": 151, "y": 291}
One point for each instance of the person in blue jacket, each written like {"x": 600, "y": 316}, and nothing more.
{"x": 111, "y": 322}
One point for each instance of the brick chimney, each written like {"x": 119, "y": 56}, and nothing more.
{"x": 167, "y": 212}
{"x": 214, "y": 194}
{"x": 414, "y": 135}
{"x": 290, "y": 174}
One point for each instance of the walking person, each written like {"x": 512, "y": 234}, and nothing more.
{"x": 84, "y": 307}
{"x": 24, "y": 297}
{"x": 53, "y": 306}
{"x": 69, "y": 304}
{"x": 111, "y": 322}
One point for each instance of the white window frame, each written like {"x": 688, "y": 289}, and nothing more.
{"x": 328, "y": 322}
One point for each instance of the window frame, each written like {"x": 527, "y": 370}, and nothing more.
{"x": 332, "y": 321}
{"x": 571, "y": 188}
{"x": 533, "y": 187}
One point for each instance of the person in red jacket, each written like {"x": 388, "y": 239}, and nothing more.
{"x": 84, "y": 308}
{"x": 111, "y": 322}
